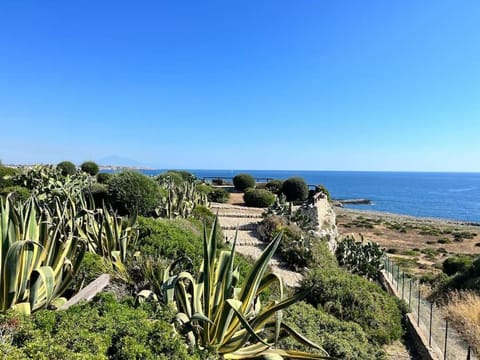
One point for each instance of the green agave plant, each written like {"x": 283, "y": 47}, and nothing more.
{"x": 40, "y": 253}
{"x": 213, "y": 313}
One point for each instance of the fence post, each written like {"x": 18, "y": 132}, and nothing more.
{"x": 410, "y": 295}
{"x": 418, "y": 313}
{"x": 403, "y": 284}
{"x": 398, "y": 277}
{"x": 446, "y": 338}
{"x": 430, "y": 331}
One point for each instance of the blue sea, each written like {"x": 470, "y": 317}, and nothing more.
{"x": 454, "y": 196}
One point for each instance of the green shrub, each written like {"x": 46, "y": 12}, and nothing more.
{"x": 5, "y": 174}
{"x": 130, "y": 192}
{"x": 324, "y": 190}
{"x": 353, "y": 298}
{"x": 207, "y": 217}
{"x": 104, "y": 178}
{"x": 456, "y": 264}
{"x": 243, "y": 181}
{"x": 204, "y": 188}
{"x": 219, "y": 195}
{"x": 217, "y": 181}
{"x": 90, "y": 167}
{"x": 171, "y": 238}
{"x": 173, "y": 176}
{"x": 295, "y": 189}
{"x": 99, "y": 193}
{"x": 67, "y": 168}
{"x": 341, "y": 339}
{"x": 93, "y": 265}
{"x": 177, "y": 176}
{"x": 359, "y": 257}
{"x": 296, "y": 247}
{"x": 258, "y": 198}
{"x": 274, "y": 186}
{"x": 20, "y": 193}
{"x": 102, "y": 329}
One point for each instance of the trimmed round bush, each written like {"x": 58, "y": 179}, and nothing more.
{"x": 90, "y": 167}
{"x": 258, "y": 198}
{"x": 104, "y": 178}
{"x": 295, "y": 189}
{"x": 243, "y": 181}
{"x": 67, "y": 168}
{"x": 6, "y": 171}
{"x": 274, "y": 186}
{"x": 130, "y": 192}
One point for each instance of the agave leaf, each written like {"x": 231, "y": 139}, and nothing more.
{"x": 236, "y": 306}
{"x": 42, "y": 286}
{"x": 22, "y": 308}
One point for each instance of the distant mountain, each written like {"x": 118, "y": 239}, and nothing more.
{"x": 115, "y": 160}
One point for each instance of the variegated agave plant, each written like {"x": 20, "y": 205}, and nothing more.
{"x": 40, "y": 253}
{"x": 213, "y": 312}
{"x": 109, "y": 235}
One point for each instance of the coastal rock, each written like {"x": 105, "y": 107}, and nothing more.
{"x": 324, "y": 218}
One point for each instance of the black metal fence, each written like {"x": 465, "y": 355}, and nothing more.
{"x": 442, "y": 338}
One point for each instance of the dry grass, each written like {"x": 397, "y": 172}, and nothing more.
{"x": 463, "y": 309}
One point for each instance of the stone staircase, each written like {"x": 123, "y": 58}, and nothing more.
{"x": 233, "y": 217}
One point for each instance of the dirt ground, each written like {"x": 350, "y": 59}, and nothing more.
{"x": 236, "y": 199}
{"x": 419, "y": 245}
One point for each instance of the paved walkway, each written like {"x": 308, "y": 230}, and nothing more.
{"x": 248, "y": 240}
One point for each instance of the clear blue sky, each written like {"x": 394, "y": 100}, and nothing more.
{"x": 321, "y": 85}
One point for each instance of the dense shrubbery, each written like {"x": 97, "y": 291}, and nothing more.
{"x": 130, "y": 192}
{"x": 5, "y": 174}
{"x": 170, "y": 238}
{"x": 207, "y": 217}
{"x": 296, "y": 247}
{"x": 243, "y": 181}
{"x": 274, "y": 186}
{"x": 104, "y": 178}
{"x": 456, "y": 264}
{"x": 177, "y": 176}
{"x": 295, "y": 189}
{"x": 469, "y": 279}
{"x": 102, "y": 329}
{"x": 258, "y": 198}
{"x": 99, "y": 192}
{"x": 19, "y": 193}
{"x": 353, "y": 298}
{"x": 219, "y": 195}
{"x": 341, "y": 339}
{"x": 67, "y": 168}
{"x": 90, "y": 168}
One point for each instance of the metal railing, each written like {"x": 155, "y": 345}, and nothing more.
{"x": 442, "y": 338}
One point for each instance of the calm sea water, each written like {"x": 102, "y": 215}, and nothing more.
{"x": 440, "y": 195}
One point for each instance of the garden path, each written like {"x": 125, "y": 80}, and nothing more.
{"x": 248, "y": 240}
